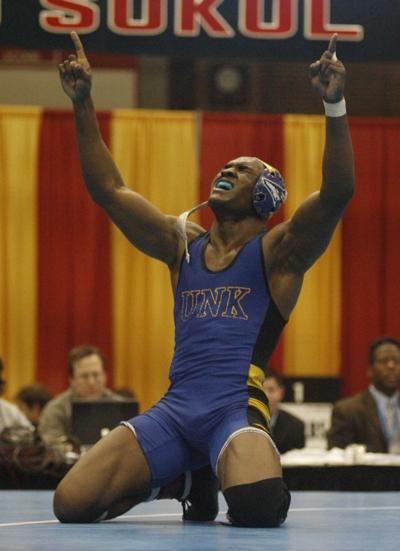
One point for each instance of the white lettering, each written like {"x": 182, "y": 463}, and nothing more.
{"x": 284, "y": 21}
{"x": 317, "y": 25}
{"x": 153, "y": 21}
{"x": 63, "y": 16}
{"x": 192, "y": 15}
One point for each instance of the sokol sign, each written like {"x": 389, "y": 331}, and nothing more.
{"x": 191, "y": 17}
{"x": 285, "y": 29}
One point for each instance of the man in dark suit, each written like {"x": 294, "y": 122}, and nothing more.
{"x": 372, "y": 417}
{"x": 288, "y": 431}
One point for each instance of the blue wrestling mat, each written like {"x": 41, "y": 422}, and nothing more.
{"x": 317, "y": 521}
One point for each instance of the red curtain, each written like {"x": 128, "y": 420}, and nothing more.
{"x": 227, "y": 136}
{"x": 74, "y": 283}
{"x": 371, "y": 250}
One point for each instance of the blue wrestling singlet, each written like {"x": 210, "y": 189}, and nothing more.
{"x": 226, "y": 327}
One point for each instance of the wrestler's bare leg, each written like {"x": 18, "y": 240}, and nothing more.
{"x": 249, "y": 457}
{"x": 106, "y": 481}
{"x": 250, "y": 473}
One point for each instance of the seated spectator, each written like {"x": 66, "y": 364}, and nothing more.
{"x": 287, "y": 430}
{"x": 372, "y": 417}
{"x": 10, "y": 415}
{"x": 87, "y": 378}
{"x": 31, "y": 401}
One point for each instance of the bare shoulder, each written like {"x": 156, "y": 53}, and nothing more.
{"x": 192, "y": 230}
{"x": 297, "y": 243}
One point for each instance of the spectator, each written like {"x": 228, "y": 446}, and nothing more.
{"x": 31, "y": 401}
{"x": 88, "y": 378}
{"x": 287, "y": 430}
{"x": 372, "y": 417}
{"x": 10, "y": 415}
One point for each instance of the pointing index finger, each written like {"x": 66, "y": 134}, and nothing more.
{"x": 332, "y": 44}
{"x": 80, "y": 52}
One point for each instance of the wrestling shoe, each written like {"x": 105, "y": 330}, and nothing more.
{"x": 201, "y": 504}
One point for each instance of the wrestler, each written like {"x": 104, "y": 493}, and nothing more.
{"x": 235, "y": 287}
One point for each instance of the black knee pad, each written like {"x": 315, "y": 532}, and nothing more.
{"x": 262, "y": 504}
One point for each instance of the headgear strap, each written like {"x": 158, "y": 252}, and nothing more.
{"x": 181, "y": 226}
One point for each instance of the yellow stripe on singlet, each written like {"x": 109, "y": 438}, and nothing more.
{"x": 255, "y": 379}
{"x": 261, "y": 407}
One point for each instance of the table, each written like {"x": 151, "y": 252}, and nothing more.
{"x": 352, "y": 478}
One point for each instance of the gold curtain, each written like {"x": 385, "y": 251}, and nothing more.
{"x": 312, "y": 337}
{"x": 19, "y": 136}
{"x": 157, "y": 154}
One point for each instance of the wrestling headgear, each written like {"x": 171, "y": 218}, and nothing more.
{"x": 269, "y": 191}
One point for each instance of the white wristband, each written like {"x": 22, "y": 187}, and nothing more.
{"x": 337, "y": 109}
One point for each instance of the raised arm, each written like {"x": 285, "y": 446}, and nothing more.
{"x": 292, "y": 247}
{"x": 146, "y": 227}
{"x": 305, "y": 237}
{"x": 328, "y": 78}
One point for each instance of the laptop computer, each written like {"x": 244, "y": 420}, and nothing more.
{"x": 92, "y": 418}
